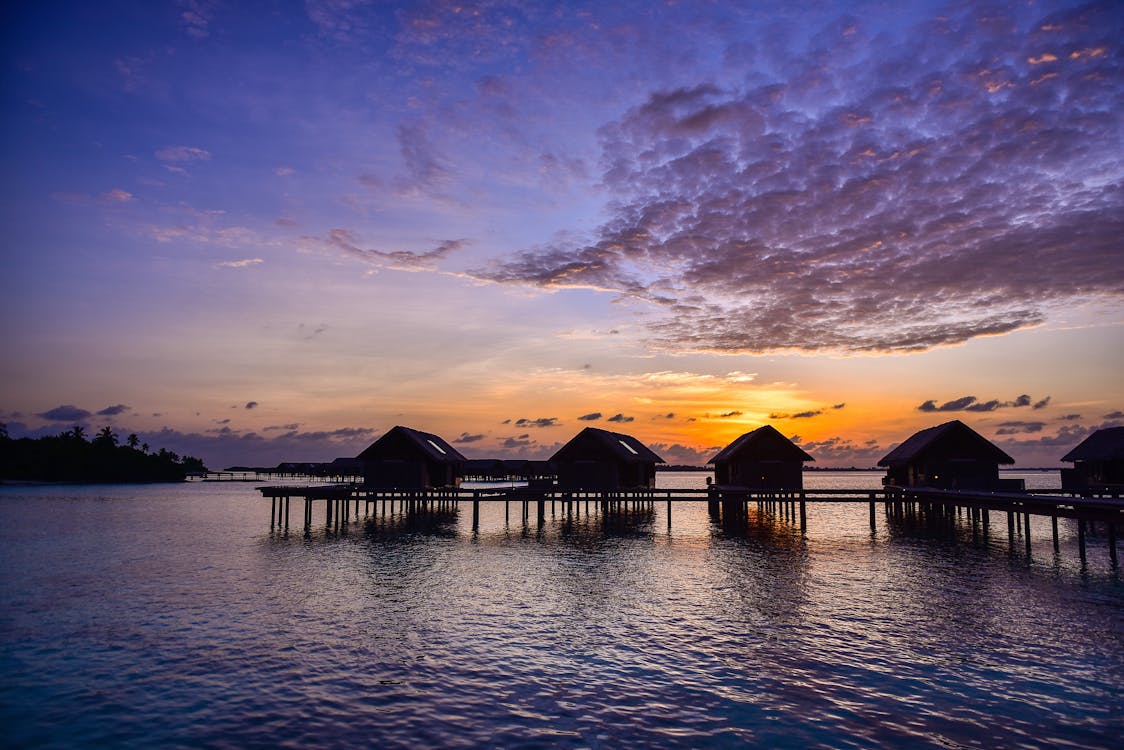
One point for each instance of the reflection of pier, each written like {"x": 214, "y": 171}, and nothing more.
{"x": 725, "y": 504}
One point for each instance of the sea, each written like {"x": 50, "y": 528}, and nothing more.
{"x": 172, "y": 615}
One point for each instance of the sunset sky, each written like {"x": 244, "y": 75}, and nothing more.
{"x": 268, "y": 231}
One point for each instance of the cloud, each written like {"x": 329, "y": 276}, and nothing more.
{"x": 244, "y": 263}
{"x": 1016, "y": 428}
{"x": 344, "y": 242}
{"x": 799, "y": 414}
{"x": 728, "y": 414}
{"x": 117, "y": 196}
{"x": 1114, "y": 415}
{"x": 540, "y": 422}
{"x": 836, "y": 206}
{"x": 112, "y": 411}
{"x": 65, "y": 413}
{"x": 467, "y": 438}
{"x": 620, "y": 418}
{"x": 591, "y": 417}
{"x": 183, "y": 154}
{"x": 251, "y": 405}
{"x": 840, "y": 451}
{"x": 427, "y": 172}
{"x": 196, "y": 17}
{"x": 518, "y": 442}
{"x": 1069, "y": 417}
{"x": 971, "y": 403}
{"x": 684, "y": 455}
{"x": 838, "y": 406}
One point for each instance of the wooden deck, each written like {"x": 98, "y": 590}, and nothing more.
{"x": 724, "y": 503}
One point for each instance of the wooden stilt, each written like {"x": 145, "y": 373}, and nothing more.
{"x": 1081, "y": 539}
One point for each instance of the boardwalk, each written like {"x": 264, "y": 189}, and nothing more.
{"x": 935, "y": 507}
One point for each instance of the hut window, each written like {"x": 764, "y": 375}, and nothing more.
{"x": 628, "y": 447}
{"x": 438, "y": 447}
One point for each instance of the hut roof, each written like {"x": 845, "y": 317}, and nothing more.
{"x": 432, "y": 446}
{"x": 616, "y": 444}
{"x": 938, "y": 439}
{"x": 765, "y": 444}
{"x": 1102, "y": 445}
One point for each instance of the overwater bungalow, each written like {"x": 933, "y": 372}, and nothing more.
{"x": 949, "y": 456}
{"x": 604, "y": 460}
{"x": 1098, "y": 462}
{"x": 762, "y": 459}
{"x": 404, "y": 458}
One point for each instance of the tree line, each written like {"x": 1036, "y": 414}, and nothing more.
{"x": 71, "y": 457}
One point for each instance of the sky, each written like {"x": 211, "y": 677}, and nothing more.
{"x": 256, "y": 232}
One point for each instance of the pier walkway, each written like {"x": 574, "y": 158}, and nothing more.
{"x": 930, "y": 506}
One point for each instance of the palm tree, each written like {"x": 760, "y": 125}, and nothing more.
{"x": 78, "y": 433}
{"x": 106, "y": 436}
{"x": 132, "y": 441}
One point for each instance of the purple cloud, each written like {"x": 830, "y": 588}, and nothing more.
{"x": 971, "y": 403}
{"x": 540, "y": 422}
{"x": 345, "y": 242}
{"x": 944, "y": 183}
{"x": 112, "y": 411}
{"x": 64, "y": 413}
{"x": 467, "y": 438}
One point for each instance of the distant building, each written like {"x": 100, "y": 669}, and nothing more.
{"x": 1098, "y": 462}
{"x": 602, "y": 460}
{"x": 410, "y": 459}
{"x": 763, "y": 459}
{"x": 949, "y": 456}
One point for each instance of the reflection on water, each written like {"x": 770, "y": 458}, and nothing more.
{"x": 171, "y": 616}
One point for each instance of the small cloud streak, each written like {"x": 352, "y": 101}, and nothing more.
{"x": 251, "y": 405}
{"x": 345, "y": 242}
{"x": 244, "y": 263}
{"x": 65, "y": 413}
{"x": 183, "y": 154}
{"x": 591, "y": 417}
{"x": 620, "y": 418}
{"x": 540, "y": 422}
{"x": 112, "y": 411}
{"x": 973, "y": 404}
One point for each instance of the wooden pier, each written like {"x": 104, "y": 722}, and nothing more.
{"x": 930, "y": 506}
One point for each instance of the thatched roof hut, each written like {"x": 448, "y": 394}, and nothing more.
{"x": 949, "y": 456}
{"x": 405, "y": 458}
{"x": 1098, "y": 462}
{"x": 762, "y": 459}
{"x": 604, "y": 460}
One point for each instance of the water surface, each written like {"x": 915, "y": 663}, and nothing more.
{"x": 171, "y": 615}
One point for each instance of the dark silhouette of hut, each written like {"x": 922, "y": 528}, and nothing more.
{"x": 410, "y": 459}
{"x": 601, "y": 460}
{"x": 949, "y": 456}
{"x": 763, "y": 459}
{"x": 1098, "y": 462}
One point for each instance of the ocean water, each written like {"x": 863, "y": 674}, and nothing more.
{"x": 172, "y": 616}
